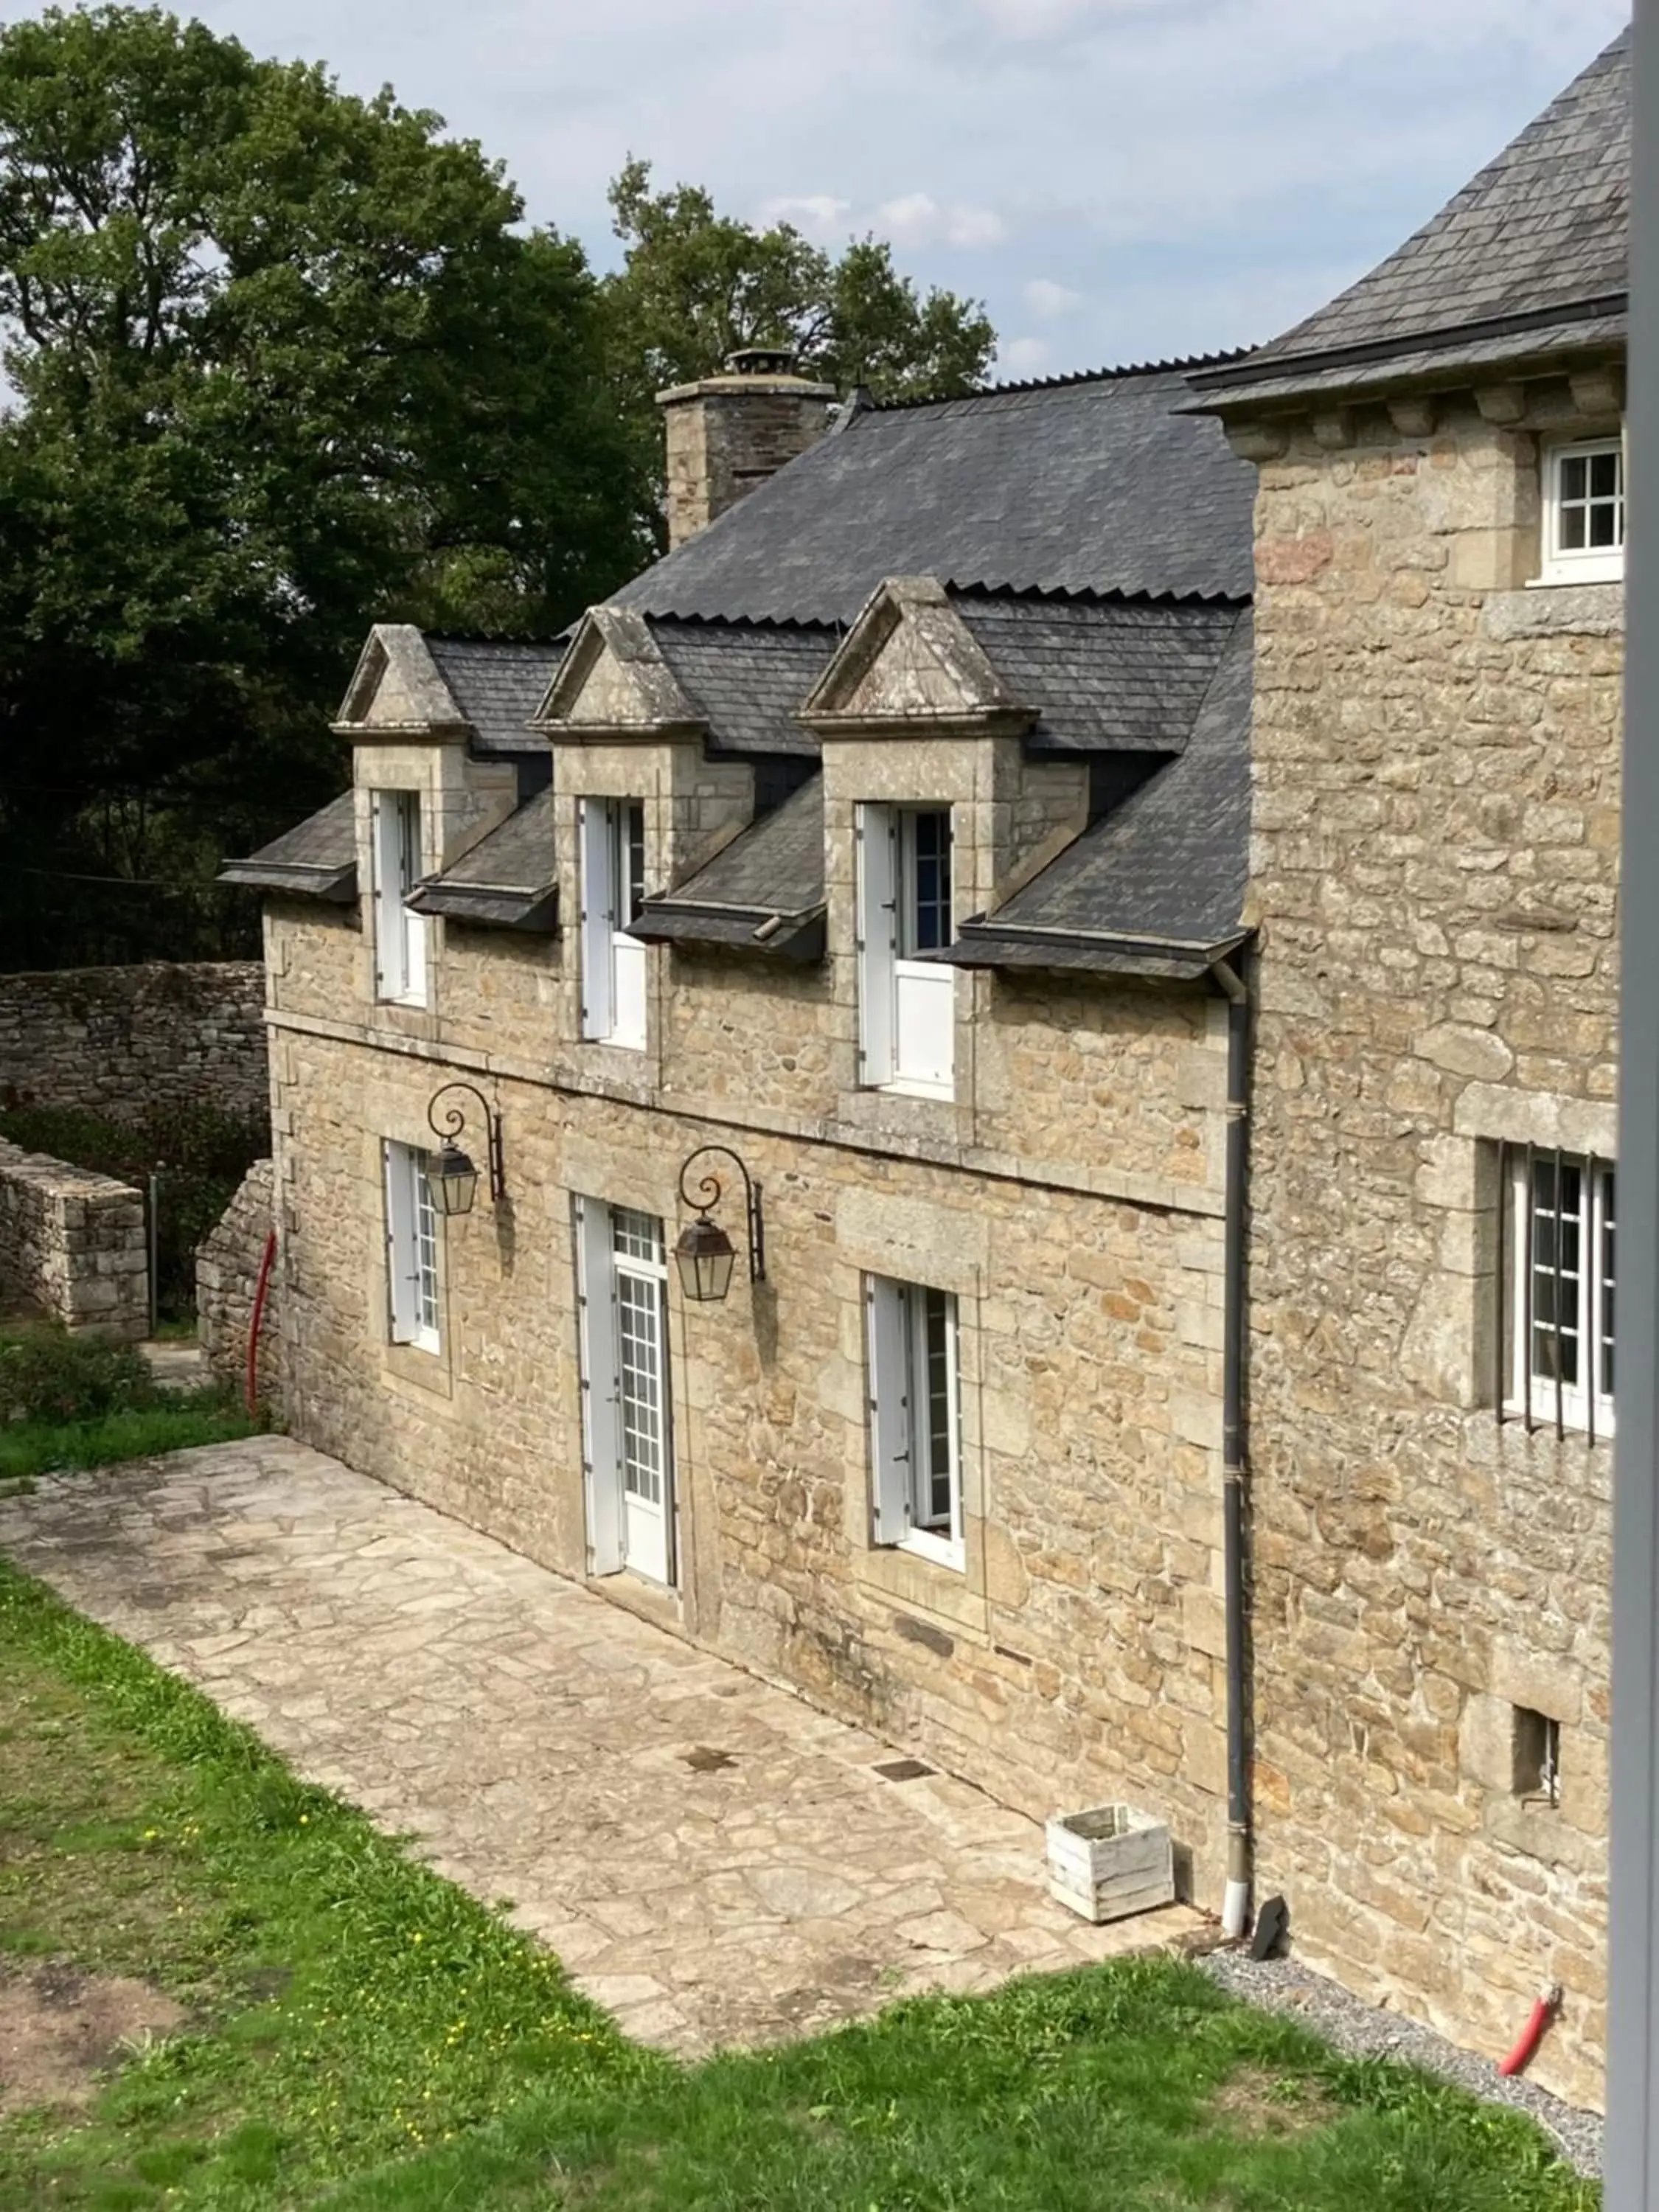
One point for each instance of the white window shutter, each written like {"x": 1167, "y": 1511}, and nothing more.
{"x": 409, "y": 871}
{"x": 384, "y": 902}
{"x": 594, "y": 842}
{"x": 601, "y": 1386}
{"x": 889, "y": 1380}
{"x": 875, "y": 837}
{"x": 403, "y": 1263}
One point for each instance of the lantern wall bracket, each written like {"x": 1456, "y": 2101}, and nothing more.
{"x": 453, "y": 1121}
{"x": 711, "y": 1189}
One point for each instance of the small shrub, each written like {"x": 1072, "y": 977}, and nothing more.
{"x": 47, "y": 1375}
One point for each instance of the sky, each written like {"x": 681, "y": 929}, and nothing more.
{"x": 1118, "y": 181}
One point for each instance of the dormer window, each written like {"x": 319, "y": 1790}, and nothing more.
{"x": 907, "y": 1004}
{"x": 400, "y": 961}
{"x": 612, "y": 838}
{"x": 1584, "y": 511}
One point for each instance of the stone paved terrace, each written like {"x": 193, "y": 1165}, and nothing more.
{"x": 714, "y": 1860}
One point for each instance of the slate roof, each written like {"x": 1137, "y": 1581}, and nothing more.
{"x": 1094, "y": 485}
{"x": 1156, "y": 887}
{"x": 498, "y": 687}
{"x": 507, "y": 881}
{"x": 1538, "y": 239}
{"x": 763, "y": 893}
{"x": 1108, "y": 676}
{"x": 748, "y": 678}
{"x": 317, "y": 858}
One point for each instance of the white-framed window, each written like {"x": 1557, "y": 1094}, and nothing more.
{"x": 622, "y": 1293}
{"x": 411, "y": 1249}
{"x": 1559, "y": 1284}
{"x": 907, "y": 1005}
{"x": 1583, "y": 511}
{"x": 916, "y": 1442}
{"x": 400, "y": 935}
{"x": 612, "y": 834}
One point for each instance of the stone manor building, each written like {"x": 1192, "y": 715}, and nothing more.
{"x": 885, "y": 903}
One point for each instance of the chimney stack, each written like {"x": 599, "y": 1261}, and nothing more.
{"x": 727, "y": 433}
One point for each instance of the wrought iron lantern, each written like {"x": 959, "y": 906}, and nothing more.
{"x": 453, "y": 1178}
{"x": 703, "y": 1252}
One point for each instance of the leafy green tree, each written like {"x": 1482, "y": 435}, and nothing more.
{"x": 284, "y": 363}
{"x": 696, "y": 285}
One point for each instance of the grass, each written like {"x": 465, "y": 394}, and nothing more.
{"x": 365, "y": 2037}
{"x": 196, "y": 1417}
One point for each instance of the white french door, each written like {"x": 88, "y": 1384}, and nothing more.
{"x": 623, "y": 1295}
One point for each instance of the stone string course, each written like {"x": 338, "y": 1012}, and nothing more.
{"x": 124, "y": 1040}
{"x": 72, "y": 1246}
{"x": 228, "y": 1267}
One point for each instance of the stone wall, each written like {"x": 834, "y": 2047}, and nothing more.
{"x": 122, "y": 1041}
{"x": 1077, "y": 1657}
{"x": 227, "y": 1266}
{"x": 72, "y": 1246}
{"x": 1436, "y": 833}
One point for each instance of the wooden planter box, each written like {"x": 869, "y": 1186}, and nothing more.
{"x": 1110, "y": 1862}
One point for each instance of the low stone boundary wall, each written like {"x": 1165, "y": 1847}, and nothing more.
{"x": 120, "y": 1041}
{"x": 228, "y": 1263}
{"x": 72, "y": 1245}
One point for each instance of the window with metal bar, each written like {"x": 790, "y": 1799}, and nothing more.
{"x": 1558, "y": 1278}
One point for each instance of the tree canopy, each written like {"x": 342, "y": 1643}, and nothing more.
{"x": 696, "y": 285}
{"x": 283, "y": 362}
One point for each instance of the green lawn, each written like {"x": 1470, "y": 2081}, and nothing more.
{"x": 199, "y": 1417}
{"x": 362, "y": 2035}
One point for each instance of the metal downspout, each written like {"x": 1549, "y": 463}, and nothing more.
{"x": 1236, "y": 1907}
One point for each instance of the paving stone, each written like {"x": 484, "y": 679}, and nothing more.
{"x": 533, "y": 1738}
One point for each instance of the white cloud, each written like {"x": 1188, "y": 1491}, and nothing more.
{"x": 1046, "y": 298}
{"x": 918, "y": 219}
{"x": 1200, "y": 171}
{"x": 820, "y": 215}
{"x": 1036, "y": 19}
{"x": 1018, "y": 357}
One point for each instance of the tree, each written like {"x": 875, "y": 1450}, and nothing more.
{"x": 284, "y": 363}
{"x": 696, "y": 285}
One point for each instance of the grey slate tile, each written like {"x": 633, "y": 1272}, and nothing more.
{"x": 1107, "y": 675}
{"x": 748, "y": 678}
{"x": 498, "y": 687}
{"x": 1541, "y": 230}
{"x": 1096, "y": 485}
{"x": 507, "y": 880}
{"x": 317, "y": 858}
{"x": 1171, "y": 863}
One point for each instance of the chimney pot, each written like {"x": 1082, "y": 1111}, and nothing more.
{"x": 762, "y": 361}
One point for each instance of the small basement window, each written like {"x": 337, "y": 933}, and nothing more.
{"x": 1537, "y": 1757}
{"x": 1584, "y": 511}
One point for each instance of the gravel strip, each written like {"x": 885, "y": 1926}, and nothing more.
{"x": 1283, "y": 1985}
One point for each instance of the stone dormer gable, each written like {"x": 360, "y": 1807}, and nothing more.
{"x": 910, "y": 663}
{"x": 397, "y": 690}
{"x": 614, "y": 684}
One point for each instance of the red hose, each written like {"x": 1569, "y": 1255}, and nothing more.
{"x": 253, "y": 1326}
{"x": 1532, "y": 2035}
